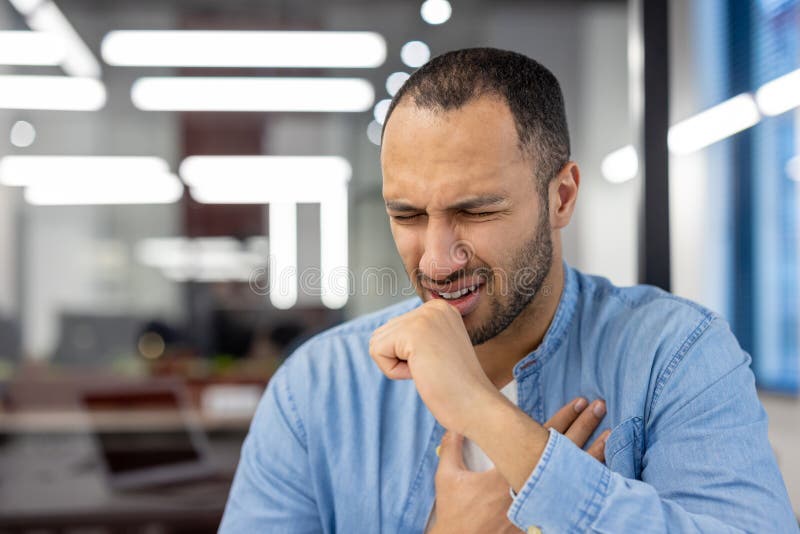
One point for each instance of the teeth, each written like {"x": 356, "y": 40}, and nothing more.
{"x": 457, "y": 294}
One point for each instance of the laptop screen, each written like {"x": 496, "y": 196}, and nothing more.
{"x": 140, "y": 430}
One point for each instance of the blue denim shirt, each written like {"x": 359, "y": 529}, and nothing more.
{"x": 337, "y": 447}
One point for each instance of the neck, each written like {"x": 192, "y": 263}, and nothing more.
{"x": 499, "y": 355}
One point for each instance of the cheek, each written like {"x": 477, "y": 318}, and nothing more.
{"x": 490, "y": 242}
{"x": 409, "y": 245}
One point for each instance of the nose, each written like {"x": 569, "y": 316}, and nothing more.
{"x": 444, "y": 252}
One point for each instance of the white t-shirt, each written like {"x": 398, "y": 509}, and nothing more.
{"x": 474, "y": 458}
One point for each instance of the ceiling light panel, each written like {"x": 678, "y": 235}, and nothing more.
{"x": 32, "y": 170}
{"x": 264, "y": 179}
{"x": 252, "y": 94}
{"x": 780, "y": 94}
{"x": 30, "y": 48}
{"x": 193, "y": 48}
{"x": 59, "y": 93}
{"x": 714, "y": 124}
{"x": 78, "y": 61}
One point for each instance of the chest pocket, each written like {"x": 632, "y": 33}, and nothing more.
{"x": 624, "y": 448}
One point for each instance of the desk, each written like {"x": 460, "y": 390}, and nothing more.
{"x": 52, "y": 479}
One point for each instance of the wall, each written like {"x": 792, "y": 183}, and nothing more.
{"x": 607, "y": 218}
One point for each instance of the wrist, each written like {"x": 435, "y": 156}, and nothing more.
{"x": 509, "y": 437}
{"x": 490, "y": 406}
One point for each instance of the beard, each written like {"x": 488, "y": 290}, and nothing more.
{"x": 527, "y": 269}
{"x": 526, "y": 274}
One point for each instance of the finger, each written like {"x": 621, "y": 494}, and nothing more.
{"x": 385, "y": 336}
{"x": 564, "y": 417}
{"x": 387, "y": 326}
{"x": 598, "y": 448}
{"x": 451, "y": 452}
{"x": 382, "y": 351}
{"x": 382, "y": 332}
{"x": 393, "y": 368}
{"x": 586, "y": 423}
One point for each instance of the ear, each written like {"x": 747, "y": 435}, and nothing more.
{"x": 563, "y": 193}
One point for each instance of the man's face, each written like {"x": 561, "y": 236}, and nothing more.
{"x": 465, "y": 211}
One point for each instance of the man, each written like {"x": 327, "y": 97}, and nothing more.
{"x": 426, "y": 416}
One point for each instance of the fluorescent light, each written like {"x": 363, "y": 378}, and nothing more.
{"x": 263, "y": 179}
{"x": 282, "y": 182}
{"x": 415, "y": 54}
{"x": 793, "y": 168}
{"x": 162, "y": 251}
{"x": 780, "y": 95}
{"x": 93, "y": 190}
{"x": 621, "y": 165}
{"x": 191, "y": 48}
{"x": 51, "y": 93}
{"x": 714, "y": 124}
{"x": 22, "y": 134}
{"x": 333, "y": 251}
{"x": 206, "y": 259}
{"x": 395, "y": 81}
{"x": 34, "y": 170}
{"x": 283, "y": 254}
{"x": 436, "y": 11}
{"x": 26, "y": 7}
{"x": 78, "y": 60}
{"x": 381, "y": 109}
{"x": 73, "y": 180}
{"x": 252, "y": 94}
{"x": 374, "y": 132}
{"x": 30, "y": 48}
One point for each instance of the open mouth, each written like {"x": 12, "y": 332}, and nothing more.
{"x": 456, "y": 294}
{"x": 465, "y": 300}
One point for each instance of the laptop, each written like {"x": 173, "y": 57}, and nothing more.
{"x": 147, "y": 435}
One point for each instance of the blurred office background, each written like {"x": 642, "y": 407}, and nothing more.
{"x": 176, "y": 216}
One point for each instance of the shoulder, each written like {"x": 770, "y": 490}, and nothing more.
{"x": 640, "y": 314}
{"x": 366, "y": 324}
{"x": 647, "y": 333}
{"x": 598, "y": 292}
{"x": 340, "y": 354}
{"x": 331, "y": 377}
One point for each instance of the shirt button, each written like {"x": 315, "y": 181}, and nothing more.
{"x": 534, "y": 530}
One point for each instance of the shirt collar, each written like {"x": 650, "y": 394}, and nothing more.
{"x": 558, "y": 327}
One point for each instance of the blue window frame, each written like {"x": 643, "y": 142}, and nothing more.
{"x": 762, "y": 271}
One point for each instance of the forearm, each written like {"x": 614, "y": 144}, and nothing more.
{"x": 509, "y": 437}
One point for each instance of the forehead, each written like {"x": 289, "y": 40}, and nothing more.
{"x": 443, "y": 155}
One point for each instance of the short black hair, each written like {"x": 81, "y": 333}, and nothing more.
{"x": 532, "y": 92}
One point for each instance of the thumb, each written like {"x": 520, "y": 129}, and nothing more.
{"x": 451, "y": 452}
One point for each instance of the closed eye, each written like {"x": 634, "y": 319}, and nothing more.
{"x": 406, "y": 218}
{"x": 479, "y": 214}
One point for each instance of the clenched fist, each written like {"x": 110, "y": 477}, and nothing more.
{"x": 431, "y": 346}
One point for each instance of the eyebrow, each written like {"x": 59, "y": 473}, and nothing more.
{"x": 471, "y": 203}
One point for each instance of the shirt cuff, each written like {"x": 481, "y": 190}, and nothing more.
{"x": 565, "y": 491}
